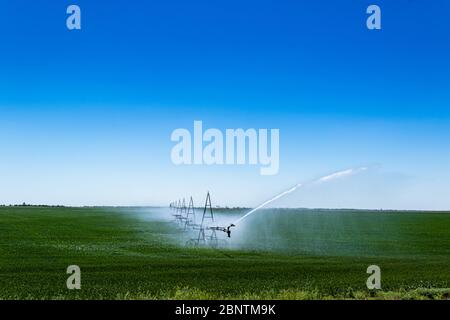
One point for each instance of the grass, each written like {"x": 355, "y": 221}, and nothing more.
{"x": 122, "y": 256}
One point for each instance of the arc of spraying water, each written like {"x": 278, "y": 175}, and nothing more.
{"x": 333, "y": 176}
{"x": 269, "y": 201}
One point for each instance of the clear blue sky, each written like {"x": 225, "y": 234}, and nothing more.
{"x": 86, "y": 116}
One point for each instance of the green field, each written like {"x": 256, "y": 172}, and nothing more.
{"x": 312, "y": 254}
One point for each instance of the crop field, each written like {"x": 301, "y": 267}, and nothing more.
{"x": 130, "y": 253}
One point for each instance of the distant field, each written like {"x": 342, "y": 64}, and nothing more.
{"x": 310, "y": 254}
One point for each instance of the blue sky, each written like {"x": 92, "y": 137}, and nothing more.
{"x": 86, "y": 116}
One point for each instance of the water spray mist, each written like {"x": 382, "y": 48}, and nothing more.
{"x": 330, "y": 177}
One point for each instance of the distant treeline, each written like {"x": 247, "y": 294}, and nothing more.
{"x": 31, "y": 205}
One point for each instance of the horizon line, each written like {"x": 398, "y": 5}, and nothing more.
{"x": 24, "y": 205}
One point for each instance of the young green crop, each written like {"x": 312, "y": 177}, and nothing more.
{"x": 122, "y": 256}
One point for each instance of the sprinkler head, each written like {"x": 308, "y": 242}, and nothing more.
{"x": 229, "y": 231}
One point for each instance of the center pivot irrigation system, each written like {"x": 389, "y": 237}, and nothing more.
{"x": 185, "y": 217}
